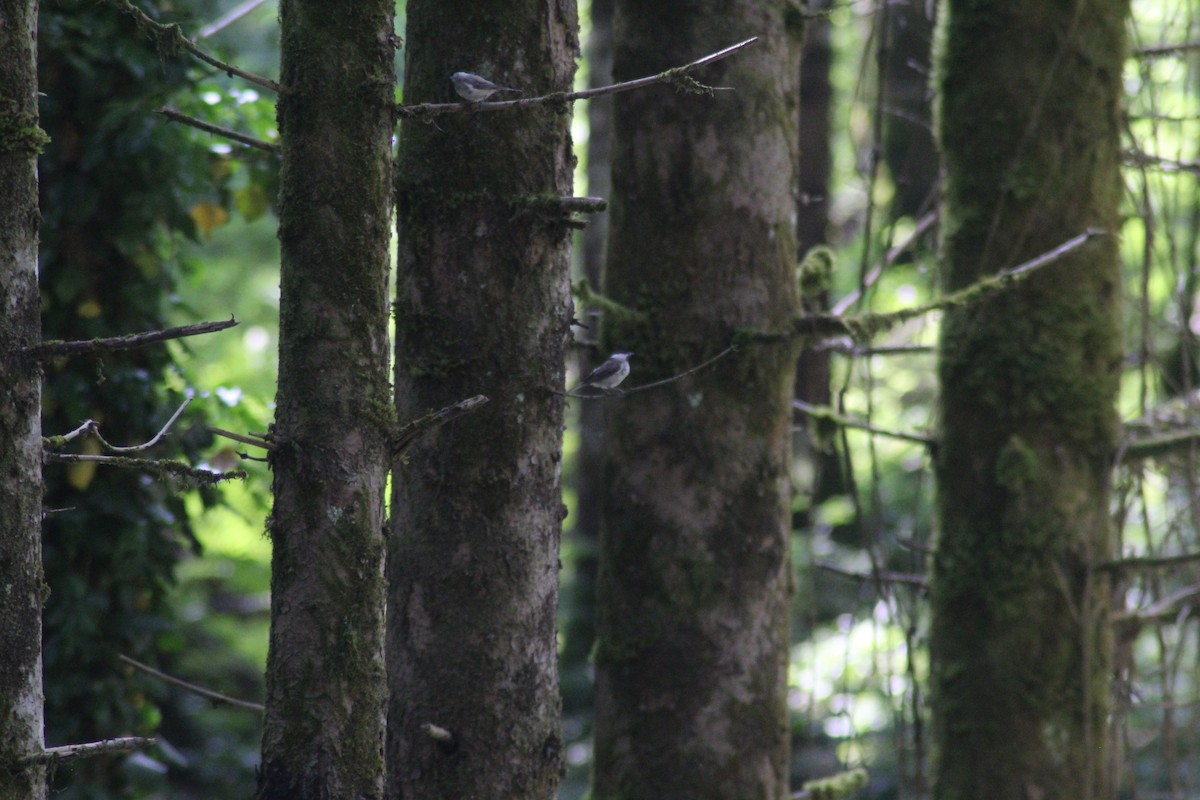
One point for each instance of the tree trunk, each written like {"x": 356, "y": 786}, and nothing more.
{"x": 323, "y": 733}
{"x": 819, "y": 459}
{"x": 483, "y": 306}
{"x": 1029, "y": 102}
{"x": 908, "y": 146}
{"x": 579, "y": 621}
{"x": 692, "y": 634}
{"x": 20, "y": 409}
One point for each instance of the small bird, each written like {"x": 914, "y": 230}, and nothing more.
{"x": 609, "y": 374}
{"x": 476, "y": 89}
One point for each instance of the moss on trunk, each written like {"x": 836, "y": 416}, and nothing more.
{"x": 323, "y": 732}
{"x": 1028, "y": 96}
{"x": 483, "y": 307}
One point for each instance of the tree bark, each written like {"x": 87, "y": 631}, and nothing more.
{"x": 323, "y": 732}
{"x": 1029, "y": 102}
{"x": 694, "y": 585}
{"x": 483, "y": 306}
{"x": 20, "y": 410}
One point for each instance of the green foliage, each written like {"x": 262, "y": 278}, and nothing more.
{"x": 119, "y": 191}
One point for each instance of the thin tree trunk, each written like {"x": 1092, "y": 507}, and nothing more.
{"x": 483, "y": 307}
{"x": 812, "y": 229}
{"x": 323, "y": 733}
{"x": 692, "y": 634}
{"x": 1029, "y": 96}
{"x": 579, "y": 626}
{"x": 816, "y": 146}
{"x": 20, "y": 410}
{"x": 908, "y": 146}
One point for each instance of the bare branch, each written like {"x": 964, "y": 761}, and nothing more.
{"x": 676, "y": 76}
{"x": 238, "y": 437}
{"x": 135, "y": 448}
{"x": 1142, "y": 159}
{"x": 1159, "y": 444}
{"x": 1166, "y": 50}
{"x": 93, "y": 427}
{"x": 51, "y": 349}
{"x": 53, "y": 755}
{"x": 923, "y": 225}
{"x": 170, "y": 40}
{"x": 1148, "y": 562}
{"x": 830, "y": 415}
{"x": 228, "y": 18}
{"x": 406, "y": 435}
{"x": 902, "y": 578}
{"x": 618, "y": 392}
{"x": 844, "y": 346}
{"x": 208, "y": 127}
{"x": 1164, "y": 610}
{"x": 191, "y": 687}
{"x": 161, "y": 467}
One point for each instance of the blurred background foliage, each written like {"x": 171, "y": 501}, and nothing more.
{"x": 147, "y": 223}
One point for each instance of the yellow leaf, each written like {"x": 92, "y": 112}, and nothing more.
{"x": 251, "y": 201}
{"x": 89, "y": 309}
{"x": 80, "y": 473}
{"x": 208, "y": 217}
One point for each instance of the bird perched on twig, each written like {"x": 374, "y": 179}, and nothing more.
{"x": 476, "y": 89}
{"x": 609, "y": 374}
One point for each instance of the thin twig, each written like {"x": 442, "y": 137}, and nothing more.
{"x": 676, "y": 74}
{"x": 844, "y": 346}
{"x": 135, "y": 448}
{"x": 1159, "y": 444}
{"x": 1163, "y": 610}
{"x": 1165, "y": 50}
{"x": 406, "y": 435}
{"x": 228, "y": 18}
{"x": 208, "y": 127}
{"x": 923, "y": 225}
{"x": 51, "y": 349}
{"x": 191, "y": 687}
{"x": 1148, "y": 562}
{"x": 170, "y": 39}
{"x": 827, "y": 413}
{"x": 123, "y": 744}
{"x": 1143, "y": 159}
{"x": 93, "y": 427}
{"x": 618, "y": 392}
{"x": 238, "y": 437}
{"x": 903, "y": 578}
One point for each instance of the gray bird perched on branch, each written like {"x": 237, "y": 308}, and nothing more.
{"x": 609, "y": 374}
{"x": 476, "y": 89}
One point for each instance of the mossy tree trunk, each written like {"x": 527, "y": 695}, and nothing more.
{"x": 483, "y": 307}
{"x": 1029, "y": 104}
{"x": 20, "y": 409}
{"x": 323, "y": 733}
{"x": 694, "y": 584}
